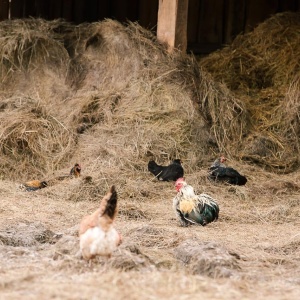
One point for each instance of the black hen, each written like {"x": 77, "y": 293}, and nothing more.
{"x": 166, "y": 173}
{"x": 226, "y": 174}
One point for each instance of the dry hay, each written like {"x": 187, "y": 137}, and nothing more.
{"x": 116, "y": 98}
{"x": 207, "y": 258}
{"x": 153, "y": 237}
{"x": 127, "y": 257}
{"x": 27, "y": 234}
{"x": 262, "y": 69}
{"x": 31, "y": 139}
{"x": 122, "y": 124}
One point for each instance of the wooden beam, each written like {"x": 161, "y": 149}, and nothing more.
{"x": 172, "y": 23}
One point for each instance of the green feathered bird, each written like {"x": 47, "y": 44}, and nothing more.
{"x": 194, "y": 209}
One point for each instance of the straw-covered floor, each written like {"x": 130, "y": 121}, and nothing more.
{"x": 110, "y": 97}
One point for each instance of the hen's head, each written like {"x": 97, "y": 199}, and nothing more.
{"x": 177, "y": 161}
{"x": 179, "y": 184}
{"x": 77, "y": 167}
{"x": 222, "y": 159}
{"x": 77, "y": 170}
{"x": 44, "y": 184}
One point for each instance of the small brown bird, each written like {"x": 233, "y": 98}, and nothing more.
{"x": 97, "y": 233}
{"x": 34, "y": 185}
{"x": 75, "y": 171}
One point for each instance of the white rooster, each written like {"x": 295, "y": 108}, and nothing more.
{"x": 97, "y": 233}
{"x": 191, "y": 208}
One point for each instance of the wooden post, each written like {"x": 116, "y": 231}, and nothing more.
{"x": 172, "y": 23}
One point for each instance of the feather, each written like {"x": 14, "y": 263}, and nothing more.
{"x": 109, "y": 203}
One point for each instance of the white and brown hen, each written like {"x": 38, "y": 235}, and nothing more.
{"x": 97, "y": 233}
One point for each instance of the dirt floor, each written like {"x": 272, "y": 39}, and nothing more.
{"x": 251, "y": 252}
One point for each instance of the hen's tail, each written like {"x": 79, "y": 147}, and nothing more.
{"x": 241, "y": 180}
{"x": 109, "y": 203}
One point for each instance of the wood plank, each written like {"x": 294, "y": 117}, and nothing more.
{"x": 67, "y": 10}
{"x": 172, "y": 23}
{"x": 104, "y": 9}
{"x": 192, "y": 23}
{"x": 148, "y": 13}
{"x": 90, "y": 10}
{"x": 4, "y": 9}
{"x": 211, "y": 22}
{"x": 17, "y": 9}
{"x": 42, "y": 9}
{"x": 119, "y": 10}
{"x": 78, "y": 11}
{"x": 287, "y": 5}
{"x": 132, "y": 10}
{"x": 259, "y": 11}
{"x": 181, "y": 25}
{"x": 234, "y": 21}
{"x": 29, "y": 8}
{"x": 55, "y": 9}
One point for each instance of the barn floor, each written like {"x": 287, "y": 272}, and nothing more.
{"x": 255, "y": 241}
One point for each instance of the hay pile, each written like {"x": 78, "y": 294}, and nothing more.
{"x": 262, "y": 69}
{"x": 207, "y": 258}
{"x": 27, "y": 234}
{"x": 111, "y": 97}
{"x": 106, "y": 95}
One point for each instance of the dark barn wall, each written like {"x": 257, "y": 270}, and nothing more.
{"x": 211, "y": 23}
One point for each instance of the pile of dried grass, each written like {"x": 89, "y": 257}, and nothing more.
{"x": 111, "y": 97}
{"x": 207, "y": 258}
{"x": 112, "y": 86}
{"x": 31, "y": 139}
{"x": 262, "y": 69}
{"x": 30, "y": 234}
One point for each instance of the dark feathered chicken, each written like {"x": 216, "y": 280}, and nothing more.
{"x": 191, "y": 208}
{"x": 219, "y": 172}
{"x": 166, "y": 173}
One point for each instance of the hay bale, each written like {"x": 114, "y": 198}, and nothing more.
{"x": 207, "y": 258}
